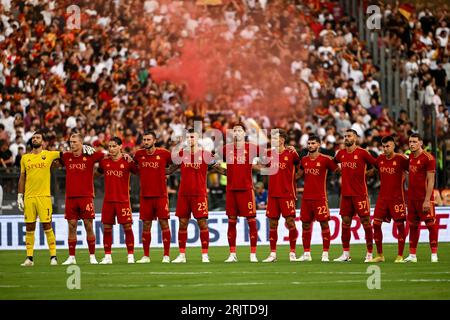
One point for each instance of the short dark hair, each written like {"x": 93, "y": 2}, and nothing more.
{"x": 314, "y": 137}
{"x": 116, "y": 140}
{"x": 239, "y": 124}
{"x": 283, "y": 134}
{"x": 150, "y": 133}
{"x": 352, "y": 131}
{"x": 40, "y": 132}
{"x": 416, "y": 135}
{"x": 191, "y": 130}
{"x": 387, "y": 139}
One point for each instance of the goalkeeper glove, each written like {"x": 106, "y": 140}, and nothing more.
{"x": 88, "y": 150}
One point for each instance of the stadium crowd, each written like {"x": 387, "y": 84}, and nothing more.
{"x": 297, "y": 65}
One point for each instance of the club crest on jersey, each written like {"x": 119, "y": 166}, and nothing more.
{"x": 286, "y": 159}
{"x": 394, "y": 163}
{"x": 122, "y": 166}
{"x": 158, "y": 157}
{"x": 43, "y": 157}
{"x": 355, "y": 157}
{"x": 84, "y": 159}
{"x": 108, "y": 165}
{"x": 418, "y": 162}
{"x": 318, "y": 164}
{"x": 70, "y": 160}
{"x": 381, "y": 162}
{"x": 143, "y": 157}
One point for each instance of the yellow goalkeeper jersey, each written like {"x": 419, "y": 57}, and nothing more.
{"x": 37, "y": 170}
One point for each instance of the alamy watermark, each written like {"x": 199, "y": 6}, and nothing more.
{"x": 374, "y": 17}
{"x": 74, "y": 280}
{"x": 374, "y": 280}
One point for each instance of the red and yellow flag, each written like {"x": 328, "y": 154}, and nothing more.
{"x": 406, "y": 10}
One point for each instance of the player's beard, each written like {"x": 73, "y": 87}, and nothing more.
{"x": 148, "y": 147}
{"x": 348, "y": 143}
{"x": 313, "y": 150}
{"x": 36, "y": 146}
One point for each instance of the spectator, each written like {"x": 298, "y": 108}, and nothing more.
{"x": 260, "y": 196}
{"x": 6, "y": 157}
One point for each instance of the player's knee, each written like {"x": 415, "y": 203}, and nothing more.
{"x": 306, "y": 225}
{"x": 184, "y": 224}
{"x": 202, "y": 224}
{"x": 377, "y": 222}
{"x": 430, "y": 222}
{"x": 413, "y": 223}
{"x": 347, "y": 221}
{"x": 147, "y": 225}
{"x": 273, "y": 223}
{"x": 324, "y": 225}
{"x": 31, "y": 226}
{"x": 47, "y": 225}
{"x": 73, "y": 224}
{"x": 164, "y": 223}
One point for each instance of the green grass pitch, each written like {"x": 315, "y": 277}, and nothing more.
{"x": 218, "y": 280}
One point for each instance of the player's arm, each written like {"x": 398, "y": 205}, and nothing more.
{"x": 99, "y": 171}
{"x": 133, "y": 166}
{"x": 299, "y": 173}
{"x": 171, "y": 169}
{"x": 21, "y": 186}
{"x": 430, "y": 189}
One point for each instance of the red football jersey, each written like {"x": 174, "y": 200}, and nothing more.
{"x": 392, "y": 176}
{"x": 282, "y": 182}
{"x": 418, "y": 168}
{"x": 315, "y": 175}
{"x": 353, "y": 166}
{"x": 80, "y": 173}
{"x": 152, "y": 171}
{"x": 194, "y": 168}
{"x": 117, "y": 179}
{"x": 239, "y": 165}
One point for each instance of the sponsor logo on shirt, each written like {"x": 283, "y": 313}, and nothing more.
{"x": 351, "y": 165}
{"x": 116, "y": 173}
{"x": 79, "y": 166}
{"x": 150, "y": 164}
{"x": 278, "y": 165}
{"x": 195, "y": 166}
{"x": 39, "y": 165}
{"x": 312, "y": 171}
{"x": 387, "y": 170}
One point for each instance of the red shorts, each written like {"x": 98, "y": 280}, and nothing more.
{"x": 314, "y": 210}
{"x": 79, "y": 208}
{"x": 154, "y": 207}
{"x": 121, "y": 210}
{"x": 359, "y": 205}
{"x": 198, "y": 205}
{"x": 240, "y": 203}
{"x": 280, "y": 206}
{"x": 387, "y": 209}
{"x": 416, "y": 213}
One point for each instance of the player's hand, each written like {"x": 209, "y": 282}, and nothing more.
{"x": 426, "y": 205}
{"x": 127, "y": 157}
{"x": 20, "y": 203}
{"x": 88, "y": 150}
{"x": 291, "y": 149}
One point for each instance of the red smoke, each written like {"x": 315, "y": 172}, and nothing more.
{"x": 205, "y": 58}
